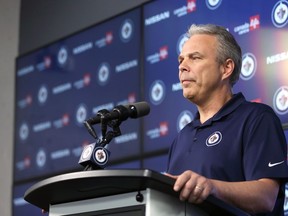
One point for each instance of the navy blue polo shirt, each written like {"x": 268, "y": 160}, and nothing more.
{"x": 243, "y": 141}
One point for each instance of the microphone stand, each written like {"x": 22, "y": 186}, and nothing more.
{"x": 99, "y": 152}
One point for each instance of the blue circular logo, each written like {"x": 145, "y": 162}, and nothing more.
{"x": 279, "y": 14}
{"x": 103, "y": 74}
{"x": 100, "y": 156}
{"x": 157, "y": 92}
{"x": 213, "y": 4}
{"x": 214, "y": 139}
{"x": 81, "y": 114}
{"x": 126, "y": 30}
{"x": 249, "y": 66}
{"x": 280, "y": 100}
{"x": 182, "y": 39}
{"x": 183, "y": 119}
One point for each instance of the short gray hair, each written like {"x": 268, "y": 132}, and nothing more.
{"x": 227, "y": 46}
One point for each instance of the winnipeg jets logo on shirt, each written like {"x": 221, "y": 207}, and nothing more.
{"x": 214, "y": 139}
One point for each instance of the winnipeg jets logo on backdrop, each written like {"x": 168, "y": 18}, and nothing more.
{"x": 280, "y": 100}
{"x": 41, "y": 158}
{"x": 103, "y": 74}
{"x": 279, "y": 14}
{"x": 214, "y": 139}
{"x": 249, "y": 65}
{"x": 184, "y": 118}
{"x": 42, "y": 94}
{"x": 81, "y": 114}
{"x": 126, "y": 31}
{"x": 182, "y": 39}
{"x": 24, "y": 131}
{"x": 157, "y": 92}
{"x": 213, "y": 4}
{"x": 62, "y": 56}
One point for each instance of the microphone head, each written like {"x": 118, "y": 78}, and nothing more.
{"x": 138, "y": 109}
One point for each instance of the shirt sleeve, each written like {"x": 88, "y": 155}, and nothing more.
{"x": 265, "y": 148}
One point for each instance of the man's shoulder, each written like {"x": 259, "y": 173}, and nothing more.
{"x": 255, "y": 107}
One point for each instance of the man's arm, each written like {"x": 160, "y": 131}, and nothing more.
{"x": 251, "y": 196}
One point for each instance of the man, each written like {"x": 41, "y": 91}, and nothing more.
{"x": 234, "y": 150}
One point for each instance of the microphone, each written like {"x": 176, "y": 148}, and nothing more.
{"x": 95, "y": 155}
{"x": 121, "y": 112}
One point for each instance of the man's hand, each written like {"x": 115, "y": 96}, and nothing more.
{"x": 192, "y": 186}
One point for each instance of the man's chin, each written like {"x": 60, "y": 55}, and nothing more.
{"x": 188, "y": 96}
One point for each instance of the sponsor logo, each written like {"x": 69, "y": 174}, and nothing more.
{"x": 213, "y": 4}
{"x": 157, "y": 92}
{"x": 130, "y": 99}
{"x": 160, "y": 131}
{"x": 183, "y": 119}
{"x": 60, "y": 154}
{"x": 126, "y": 138}
{"x": 27, "y": 101}
{"x": 280, "y": 100}
{"x": 275, "y": 164}
{"x": 107, "y": 40}
{"x": 249, "y": 66}
{"x": 126, "y": 31}
{"x": 62, "y": 122}
{"x": 62, "y": 88}
{"x": 24, "y": 164}
{"x": 254, "y": 23}
{"x": 279, "y": 14}
{"x": 277, "y": 57}
{"x": 157, "y": 18}
{"x": 126, "y": 66}
{"x": 176, "y": 87}
{"x": 108, "y": 106}
{"x": 185, "y": 9}
{"x": 214, "y": 139}
{"x": 41, "y": 126}
{"x": 103, "y": 74}
{"x": 82, "y": 48}
{"x": 84, "y": 82}
{"x": 158, "y": 56}
{"x": 25, "y": 70}
{"x": 45, "y": 64}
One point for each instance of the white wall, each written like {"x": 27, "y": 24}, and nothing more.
{"x": 9, "y": 25}
{"x": 10, "y": 29}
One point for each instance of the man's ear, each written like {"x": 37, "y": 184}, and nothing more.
{"x": 227, "y": 68}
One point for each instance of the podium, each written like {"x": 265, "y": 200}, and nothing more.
{"x": 118, "y": 192}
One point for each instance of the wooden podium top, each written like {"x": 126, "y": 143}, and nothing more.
{"x": 83, "y": 185}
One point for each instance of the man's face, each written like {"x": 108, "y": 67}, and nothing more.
{"x": 199, "y": 72}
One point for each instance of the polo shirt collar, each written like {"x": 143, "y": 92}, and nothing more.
{"x": 228, "y": 108}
